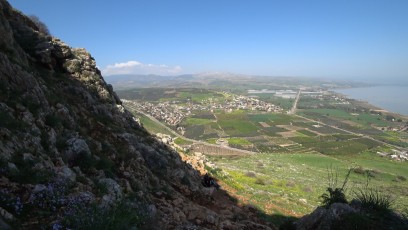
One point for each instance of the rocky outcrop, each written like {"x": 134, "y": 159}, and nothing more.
{"x": 323, "y": 218}
{"x": 71, "y": 156}
{"x": 349, "y": 216}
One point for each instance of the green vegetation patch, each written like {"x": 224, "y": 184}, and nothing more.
{"x": 282, "y": 180}
{"x": 194, "y": 132}
{"x": 197, "y": 121}
{"x": 272, "y": 131}
{"x": 337, "y": 147}
{"x": 212, "y": 141}
{"x": 324, "y": 129}
{"x": 200, "y": 95}
{"x": 273, "y": 118}
{"x": 238, "y": 141}
{"x": 204, "y": 115}
{"x": 303, "y": 140}
{"x": 8, "y": 121}
{"x": 282, "y": 102}
{"x": 152, "y": 126}
{"x": 307, "y": 133}
{"x": 237, "y": 127}
{"x": 181, "y": 141}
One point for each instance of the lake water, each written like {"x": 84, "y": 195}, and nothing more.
{"x": 391, "y": 98}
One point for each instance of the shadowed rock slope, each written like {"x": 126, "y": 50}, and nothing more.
{"x": 71, "y": 156}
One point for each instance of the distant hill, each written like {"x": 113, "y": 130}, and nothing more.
{"x": 224, "y": 81}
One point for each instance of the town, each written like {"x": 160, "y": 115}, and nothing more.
{"x": 173, "y": 112}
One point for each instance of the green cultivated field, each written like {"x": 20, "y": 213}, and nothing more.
{"x": 197, "y": 121}
{"x": 284, "y": 103}
{"x": 238, "y": 141}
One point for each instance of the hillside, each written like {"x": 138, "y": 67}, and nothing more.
{"x": 73, "y": 157}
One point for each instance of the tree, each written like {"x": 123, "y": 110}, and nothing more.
{"x": 389, "y": 118}
{"x": 40, "y": 25}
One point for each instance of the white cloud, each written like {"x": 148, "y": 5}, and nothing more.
{"x": 135, "y": 67}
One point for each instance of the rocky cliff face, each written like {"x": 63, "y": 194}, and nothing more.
{"x": 71, "y": 156}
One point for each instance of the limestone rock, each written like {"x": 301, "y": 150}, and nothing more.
{"x": 75, "y": 147}
{"x": 112, "y": 189}
{"x": 72, "y": 66}
{"x": 67, "y": 174}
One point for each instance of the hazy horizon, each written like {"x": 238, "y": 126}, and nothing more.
{"x": 379, "y": 80}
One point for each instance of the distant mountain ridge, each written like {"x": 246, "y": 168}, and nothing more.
{"x": 222, "y": 81}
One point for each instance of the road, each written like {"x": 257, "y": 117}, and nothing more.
{"x": 183, "y": 137}
{"x": 293, "y": 109}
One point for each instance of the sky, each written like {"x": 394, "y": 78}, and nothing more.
{"x": 314, "y": 38}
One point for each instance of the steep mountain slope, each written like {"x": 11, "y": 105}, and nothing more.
{"x": 72, "y": 156}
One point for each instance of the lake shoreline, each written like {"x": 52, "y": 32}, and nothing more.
{"x": 387, "y": 98}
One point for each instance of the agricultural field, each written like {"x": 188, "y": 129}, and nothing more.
{"x": 283, "y": 102}
{"x": 294, "y": 134}
{"x": 374, "y": 125}
{"x": 327, "y": 132}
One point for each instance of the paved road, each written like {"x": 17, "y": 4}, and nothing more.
{"x": 183, "y": 137}
{"x": 293, "y": 109}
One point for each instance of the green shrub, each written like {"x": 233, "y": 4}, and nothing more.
{"x": 85, "y": 161}
{"x": 374, "y": 201}
{"x": 42, "y": 27}
{"x": 125, "y": 215}
{"x": 105, "y": 164}
{"x": 250, "y": 174}
{"x": 52, "y": 120}
{"x": 26, "y": 173}
{"x": 9, "y": 122}
{"x": 32, "y": 105}
{"x": 359, "y": 170}
{"x": 260, "y": 181}
{"x": 334, "y": 193}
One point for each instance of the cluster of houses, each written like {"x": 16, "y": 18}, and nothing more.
{"x": 173, "y": 112}
{"x": 398, "y": 155}
{"x": 166, "y": 111}
{"x": 250, "y": 103}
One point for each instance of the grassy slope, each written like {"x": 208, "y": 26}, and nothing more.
{"x": 152, "y": 126}
{"x": 294, "y": 182}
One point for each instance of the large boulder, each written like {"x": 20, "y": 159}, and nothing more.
{"x": 324, "y": 218}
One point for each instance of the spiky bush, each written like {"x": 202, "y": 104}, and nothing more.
{"x": 373, "y": 200}
{"x": 334, "y": 193}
